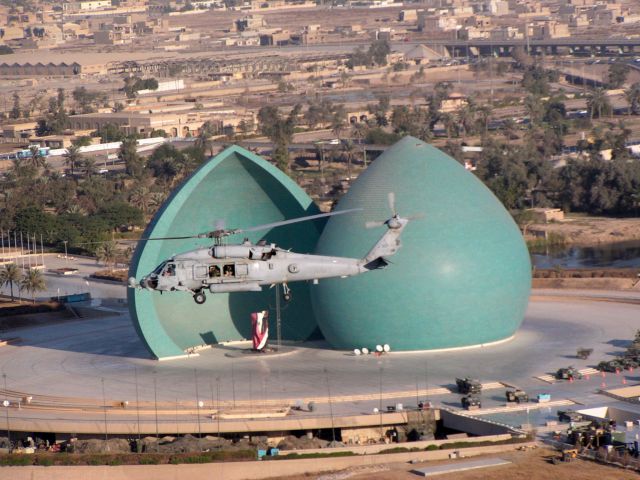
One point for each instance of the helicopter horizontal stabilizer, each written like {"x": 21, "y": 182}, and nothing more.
{"x": 376, "y": 264}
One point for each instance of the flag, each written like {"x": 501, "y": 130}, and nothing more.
{"x": 260, "y": 329}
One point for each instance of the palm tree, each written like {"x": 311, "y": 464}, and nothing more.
{"x": 36, "y": 159}
{"x": 348, "y": 152}
{"x": 598, "y": 103}
{"x": 89, "y": 166}
{"x": 466, "y": 119}
{"x": 33, "y": 282}
{"x": 359, "y": 131}
{"x": 139, "y": 197}
{"x": 73, "y": 157}
{"x": 203, "y": 140}
{"x": 484, "y": 114}
{"x": 534, "y": 108}
{"x": 10, "y": 274}
{"x": 449, "y": 123}
{"x": 107, "y": 252}
{"x": 632, "y": 96}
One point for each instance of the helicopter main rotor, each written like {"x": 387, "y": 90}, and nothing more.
{"x": 221, "y": 232}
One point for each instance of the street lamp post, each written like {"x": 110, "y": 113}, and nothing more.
{"x": 6, "y": 404}
{"x": 65, "y": 250}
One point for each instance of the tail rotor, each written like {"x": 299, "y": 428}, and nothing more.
{"x": 396, "y": 220}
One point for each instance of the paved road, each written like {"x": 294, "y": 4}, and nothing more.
{"x": 76, "y": 283}
{"x": 74, "y": 358}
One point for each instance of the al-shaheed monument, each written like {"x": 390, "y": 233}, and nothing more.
{"x": 461, "y": 278}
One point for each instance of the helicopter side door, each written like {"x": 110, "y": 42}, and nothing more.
{"x": 200, "y": 271}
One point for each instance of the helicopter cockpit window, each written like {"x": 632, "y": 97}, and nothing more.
{"x": 229, "y": 270}
{"x": 159, "y": 268}
{"x": 214, "y": 271}
{"x": 170, "y": 270}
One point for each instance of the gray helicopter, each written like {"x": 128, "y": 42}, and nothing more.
{"x": 247, "y": 267}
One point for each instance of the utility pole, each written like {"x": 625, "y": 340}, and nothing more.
{"x": 195, "y": 376}
{"x": 104, "y": 407}
{"x": 135, "y": 373}
{"x": 333, "y": 430}
{"x": 6, "y": 409}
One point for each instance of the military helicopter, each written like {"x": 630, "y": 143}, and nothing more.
{"x": 247, "y": 267}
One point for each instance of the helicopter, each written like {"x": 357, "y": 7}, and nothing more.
{"x": 247, "y": 267}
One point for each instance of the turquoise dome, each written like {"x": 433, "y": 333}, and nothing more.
{"x": 461, "y": 278}
{"x": 244, "y": 190}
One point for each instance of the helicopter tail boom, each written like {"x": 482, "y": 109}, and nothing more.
{"x": 388, "y": 244}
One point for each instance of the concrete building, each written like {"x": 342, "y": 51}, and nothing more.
{"x": 85, "y": 6}
{"x": 462, "y": 276}
{"x": 175, "y": 124}
{"x": 428, "y": 22}
{"x": 246, "y": 190}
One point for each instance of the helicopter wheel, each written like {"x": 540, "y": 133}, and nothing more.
{"x": 286, "y": 292}
{"x": 200, "y": 298}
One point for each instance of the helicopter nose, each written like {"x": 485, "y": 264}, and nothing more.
{"x": 143, "y": 282}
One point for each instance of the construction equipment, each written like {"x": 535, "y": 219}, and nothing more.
{"x": 568, "y": 373}
{"x": 584, "y": 353}
{"x": 517, "y": 395}
{"x": 468, "y": 386}
{"x": 567, "y": 455}
{"x": 610, "y": 366}
{"x": 471, "y": 402}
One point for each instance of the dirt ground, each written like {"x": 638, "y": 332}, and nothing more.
{"x": 586, "y": 231}
{"x": 527, "y": 465}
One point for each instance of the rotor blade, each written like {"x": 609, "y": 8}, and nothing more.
{"x": 171, "y": 238}
{"x": 267, "y": 226}
{"x": 219, "y": 224}
{"x": 392, "y": 202}
{"x": 374, "y": 224}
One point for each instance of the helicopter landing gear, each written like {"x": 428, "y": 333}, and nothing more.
{"x": 200, "y": 297}
{"x": 286, "y": 295}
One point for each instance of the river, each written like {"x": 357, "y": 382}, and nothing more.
{"x": 613, "y": 255}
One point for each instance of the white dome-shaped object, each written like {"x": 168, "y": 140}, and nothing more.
{"x": 357, "y": 351}
{"x": 378, "y": 348}
{"x": 386, "y": 347}
{"x": 375, "y": 410}
{"x": 365, "y": 351}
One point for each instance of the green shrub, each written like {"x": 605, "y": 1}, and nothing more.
{"x": 44, "y": 461}
{"x": 149, "y": 460}
{"x": 13, "y": 460}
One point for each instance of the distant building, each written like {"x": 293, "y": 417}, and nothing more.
{"x": 546, "y": 215}
{"x": 85, "y": 6}
{"x": 430, "y": 22}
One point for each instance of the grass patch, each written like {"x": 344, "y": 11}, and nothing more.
{"x": 297, "y": 456}
{"x": 553, "y": 240}
{"x": 13, "y": 460}
{"x": 399, "y": 450}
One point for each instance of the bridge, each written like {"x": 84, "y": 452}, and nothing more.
{"x": 553, "y": 46}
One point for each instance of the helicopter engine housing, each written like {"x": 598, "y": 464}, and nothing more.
{"x": 241, "y": 251}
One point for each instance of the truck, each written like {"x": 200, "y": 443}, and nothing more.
{"x": 468, "y": 386}
{"x": 471, "y": 402}
{"x": 568, "y": 373}
{"x": 517, "y": 396}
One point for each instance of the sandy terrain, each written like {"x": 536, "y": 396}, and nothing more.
{"x": 585, "y": 231}
{"x": 529, "y": 465}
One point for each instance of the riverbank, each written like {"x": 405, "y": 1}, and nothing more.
{"x": 587, "y": 278}
{"x": 581, "y": 230}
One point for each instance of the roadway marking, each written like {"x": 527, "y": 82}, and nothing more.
{"x": 519, "y": 407}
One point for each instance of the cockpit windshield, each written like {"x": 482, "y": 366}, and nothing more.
{"x": 159, "y": 268}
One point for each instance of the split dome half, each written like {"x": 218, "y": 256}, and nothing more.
{"x": 462, "y": 276}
